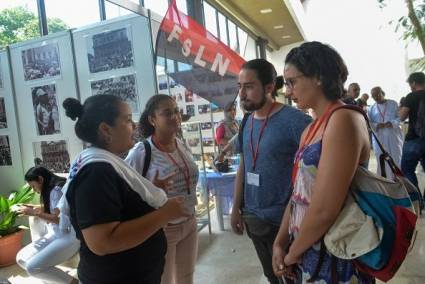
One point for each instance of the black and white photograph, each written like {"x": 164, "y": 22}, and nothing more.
{"x": 193, "y": 142}
{"x": 123, "y": 87}
{"x": 191, "y": 127}
{"x": 188, "y": 96}
{"x": 52, "y": 155}
{"x": 203, "y": 109}
{"x": 207, "y": 142}
{"x": 41, "y": 62}
{"x": 190, "y": 110}
{"x": 110, "y": 50}
{"x": 46, "y": 109}
{"x": 206, "y": 125}
{"x": 3, "y": 119}
{"x": 5, "y": 155}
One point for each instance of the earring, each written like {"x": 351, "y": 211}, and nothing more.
{"x": 319, "y": 83}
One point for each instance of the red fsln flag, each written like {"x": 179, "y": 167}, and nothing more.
{"x": 212, "y": 67}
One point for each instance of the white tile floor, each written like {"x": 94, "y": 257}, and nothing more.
{"x": 226, "y": 258}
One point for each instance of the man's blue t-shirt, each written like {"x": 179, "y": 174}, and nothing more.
{"x": 274, "y": 163}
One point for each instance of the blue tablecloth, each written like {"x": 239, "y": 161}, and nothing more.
{"x": 220, "y": 185}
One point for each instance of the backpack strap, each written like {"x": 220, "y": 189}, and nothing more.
{"x": 148, "y": 155}
{"x": 240, "y": 133}
{"x": 385, "y": 156}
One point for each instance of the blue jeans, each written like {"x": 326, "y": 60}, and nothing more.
{"x": 413, "y": 152}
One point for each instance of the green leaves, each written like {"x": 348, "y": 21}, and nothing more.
{"x": 7, "y": 216}
{"x": 18, "y": 24}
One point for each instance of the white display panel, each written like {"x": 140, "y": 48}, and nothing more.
{"x": 44, "y": 76}
{"x": 11, "y": 172}
{"x": 115, "y": 57}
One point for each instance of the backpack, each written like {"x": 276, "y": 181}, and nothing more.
{"x": 240, "y": 134}
{"x": 376, "y": 225}
{"x": 148, "y": 155}
{"x": 420, "y": 119}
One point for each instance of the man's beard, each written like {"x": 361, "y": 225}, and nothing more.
{"x": 250, "y": 106}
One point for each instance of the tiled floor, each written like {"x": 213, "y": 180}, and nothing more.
{"x": 227, "y": 258}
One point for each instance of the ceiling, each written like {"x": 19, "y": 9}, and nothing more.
{"x": 269, "y": 25}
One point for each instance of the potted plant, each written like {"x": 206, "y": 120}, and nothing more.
{"x": 10, "y": 232}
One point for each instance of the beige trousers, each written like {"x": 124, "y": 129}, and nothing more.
{"x": 182, "y": 251}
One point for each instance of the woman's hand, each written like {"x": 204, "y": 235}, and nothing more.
{"x": 175, "y": 208}
{"x": 165, "y": 183}
{"x": 280, "y": 268}
{"x": 29, "y": 210}
{"x": 290, "y": 259}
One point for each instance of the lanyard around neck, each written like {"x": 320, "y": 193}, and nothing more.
{"x": 263, "y": 126}
{"x": 184, "y": 170}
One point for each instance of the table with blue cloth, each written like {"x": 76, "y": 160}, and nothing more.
{"x": 221, "y": 186}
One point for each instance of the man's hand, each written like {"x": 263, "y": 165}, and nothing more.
{"x": 236, "y": 222}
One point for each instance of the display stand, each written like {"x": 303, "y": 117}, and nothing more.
{"x": 192, "y": 134}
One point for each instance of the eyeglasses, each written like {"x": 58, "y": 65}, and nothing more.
{"x": 290, "y": 82}
{"x": 170, "y": 113}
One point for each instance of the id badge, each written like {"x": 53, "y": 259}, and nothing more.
{"x": 253, "y": 179}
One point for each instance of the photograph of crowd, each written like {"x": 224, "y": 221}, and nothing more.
{"x": 202, "y": 109}
{"x": 191, "y": 127}
{"x": 193, "y": 142}
{"x": 206, "y": 125}
{"x": 46, "y": 109}
{"x": 53, "y": 155}
{"x": 188, "y": 96}
{"x": 110, "y": 50}
{"x": 207, "y": 142}
{"x": 5, "y": 155}
{"x": 3, "y": 120}
{"x": 41, "y": 62}
{"x": 123, "y": 87}
{"x": 190, "y": 110}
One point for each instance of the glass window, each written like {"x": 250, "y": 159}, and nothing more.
{"x": 74, "y": 13}
{"x": 113, "y": 11}
{"x": 12, "y": 30}
{"x": 222, "y": 28}
{"x": 210, "y": 19}
{"x": 233, "y": 37}
{"x": 243, "y": 38}
{"x": 158, "y": 6}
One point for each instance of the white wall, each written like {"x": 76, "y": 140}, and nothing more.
{"x": 11, "y": 177}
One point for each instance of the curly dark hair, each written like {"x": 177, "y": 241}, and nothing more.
{"x": 145, "y": 127}
{"x": 321, "y": 61}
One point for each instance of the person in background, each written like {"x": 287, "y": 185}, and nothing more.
{"x": 324, "y": 167}
{"x": 413, "y": 107}
{"x": 173, "y": 169}
{"x": 227, "y": 128}
{"x": 117, "y": 214}
{"x": 270, "y": 139}
{"x": 362, "y": 101}
{"x": 352, "y": 94}
{"x": 40, "y": 257}
{"x": 383, "y": 117}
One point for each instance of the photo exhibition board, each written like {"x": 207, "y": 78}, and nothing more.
{"x": 116, "y": 58}
{"x": 44, "y": 76}
{"x": 11, "y": 171}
